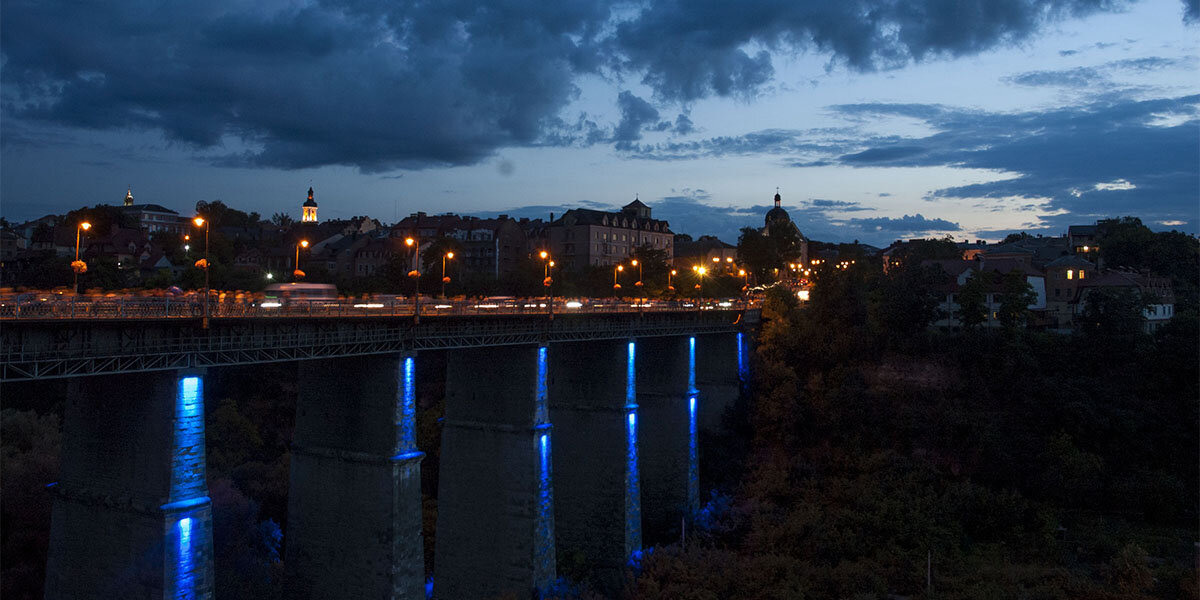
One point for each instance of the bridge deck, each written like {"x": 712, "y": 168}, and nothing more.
{"x": 99, "y": 342}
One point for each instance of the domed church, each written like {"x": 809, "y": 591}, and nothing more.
{"x": 778, "y": 217}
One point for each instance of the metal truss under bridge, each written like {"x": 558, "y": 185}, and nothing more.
{"x": 55, "y": 348}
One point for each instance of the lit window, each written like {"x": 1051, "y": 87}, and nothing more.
{"x": 1081, "y": 273}
{"x": 1070, "y": 274}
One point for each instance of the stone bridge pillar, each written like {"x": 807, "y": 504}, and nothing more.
{"x": 597, "y": 509}
{"x": 495, "y": 521}
{"x": 667, "y": 405}
{"x": 718, "y": 361}
{"x": 131, "y": 515}
{"x": 354, "y": 507}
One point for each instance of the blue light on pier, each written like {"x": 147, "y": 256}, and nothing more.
{"x": 545, "y": 551}
{"x": 541, "y": 410}
{"x": 743, "y": 368}
{"x": 185, "y": 580}
{"x": 693, "y": 483}
{"x": 633, "y": 493}
{"x": 545, "y": 554}
{"x": 187, "y": 465}
{"x": 408, "y": 407}
{"x": 692, "y": 365}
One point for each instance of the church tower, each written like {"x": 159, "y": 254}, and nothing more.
{"x": 310, "y": 209}
{"x": 129, "y": 197}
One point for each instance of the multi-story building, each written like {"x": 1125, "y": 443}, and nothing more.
{"x": 153, "y": 218}
{"x": 708, "y": 251}
{"x": 584, "y": 238}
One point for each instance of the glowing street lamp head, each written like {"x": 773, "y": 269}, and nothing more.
{"x": 544, "y": 255}
{"x": 701, "y": 271}
{"x": 85, "y": 226}
{"x": 620, "y": 267}
{"x": 552, "y": 263}
{"x": 728, "y": 259}
{"x": 674, "y": 272}
{"x": 716, "y": 259}
{"x": 450, "y": 255}
{"x": 409, "y": 241}
{"x": 741, "y": 272}
{"x": 199, "y": 221}
{"x": 633, "y": 262}
{"x": 303, "y": 243}
{"x": 695, "y": 267}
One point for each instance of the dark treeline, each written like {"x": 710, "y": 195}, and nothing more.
{"x": 887, "y": 458}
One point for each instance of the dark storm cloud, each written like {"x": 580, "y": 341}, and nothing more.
{"x": 836, "y": 205}
{"x": 372, "y": 85}
{"x": 635, "y": 114}
{"x": 382, "y": 85}
{"x": 766, "y": 141}
{"x": 1092, "y": 76}
{"x": 1191, "y": 11}
{"x": 1111, "y": 157}
{"x": 909, "y": 224}
{"x": 689, "y": 49}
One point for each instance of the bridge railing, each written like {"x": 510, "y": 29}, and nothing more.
{"x": 38, "y": 307}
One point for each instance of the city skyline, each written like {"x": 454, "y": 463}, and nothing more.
{"x": 875, "y": 126}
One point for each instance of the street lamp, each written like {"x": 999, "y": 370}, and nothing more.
{"x": 745, "y": 280}
{"x": 617, "y": 286}
{"x": 297, "y": 273}
{"x": 203, "y": 263}
{"x": 78, "y": 266}
{"x": 445, "y": 280}
{"x": 700, "y": 271}
{"x": 639, "y": 266}
{"x": 670, "y": 274}
{"x": 415, "y": 273}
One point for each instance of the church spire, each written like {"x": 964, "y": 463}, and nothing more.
{"x": 778, "y": 199}
{"x": 309, "y": 209}
{"x": 129, "y": 196}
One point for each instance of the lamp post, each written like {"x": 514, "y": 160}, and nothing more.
{"x": 415, "y": 273}
{"x": 670, "y": 274}
{"x": 445, "y": 280}
{"x": 638, "y": 264}
{"x": 79, "y": 266}
{"x": 700, "y": 271}
{"x": 297, "y": 273}
{"x": 745, "y": 280}
{"x": 616, "y": 285}
{"x": 201, "y": 222}
{"x": 547, "y": 282}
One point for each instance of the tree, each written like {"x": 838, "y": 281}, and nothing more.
{"x": 902, "y": 304}
{"x": 282, "y": 219}
{"x": 755, "y": 251}
{"x": 1015, "y": 299}
{"x": 972, "y": 300}
{"x": 1113, "y": 312}
{"x": 912, "y": 253}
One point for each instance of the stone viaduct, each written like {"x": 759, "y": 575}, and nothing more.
{"x": 573, "y": 436}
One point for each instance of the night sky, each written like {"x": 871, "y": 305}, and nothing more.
{"x": 876, "y": 119}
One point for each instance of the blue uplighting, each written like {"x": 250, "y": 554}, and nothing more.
{"x": 633, "y": 492}
{"x": 541, "y": 412}
{"x": 187, "y": 465}
{"x": 693, "y": 489}
{"x": 692, "y": 365}
{"x": 545, "y": 551}
{"x": 408, "y": 409}
{"x": 185, "y": 576}
{"x": 743, "y": 368}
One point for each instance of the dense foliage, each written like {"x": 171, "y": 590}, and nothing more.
{"x": 980, "y": 464}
